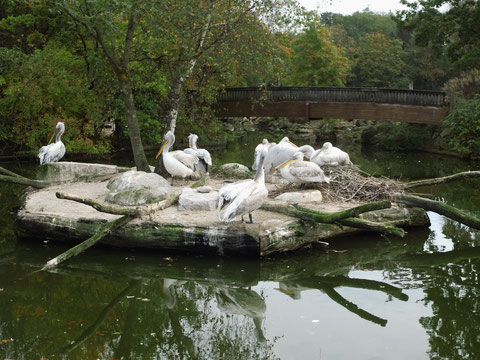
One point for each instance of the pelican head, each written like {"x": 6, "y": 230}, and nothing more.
{"x": 168, "y": 141}
{"x": 297, "y": 156}
{"x": 287, "y": 140}
{"x": 327, "y": 145}
{"x": 59, "y": 130}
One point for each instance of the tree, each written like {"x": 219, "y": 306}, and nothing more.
{"x": 316, "y": 60}
{"x": 105, "y": 21}
{"x": 453, "y": 31}
{"x": 379, "y": 61}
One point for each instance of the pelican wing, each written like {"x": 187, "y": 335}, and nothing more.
{"x": 307, "y": 171}
{"x": 277, "y": 155}
{"x": 230, "y": 191}
{"x": 249, "y": 199}
{"x": 51, "y": 153}
{"x": 204, "y": 155}
{"x": 189, "y": 160}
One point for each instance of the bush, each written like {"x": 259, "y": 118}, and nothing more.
{"x": 461, "y": 127}
{"x": 401, "y": 136}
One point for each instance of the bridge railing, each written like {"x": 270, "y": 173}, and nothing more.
{"x": 337, "y": 94}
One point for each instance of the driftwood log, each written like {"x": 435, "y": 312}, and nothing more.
{"x": 345, "y": 217}
{"x": 444, "y": 179}
{"x": 439, "y": 208}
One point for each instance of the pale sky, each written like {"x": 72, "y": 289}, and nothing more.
{"x": 347, "y": 7}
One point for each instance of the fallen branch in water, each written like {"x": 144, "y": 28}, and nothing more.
{"x": 373, "y": 226}
{"x": 313, "y": 215}
{"x": 445, "y": 179}
{"x": 24, "y": 181}
{"x": 440, "y": 208}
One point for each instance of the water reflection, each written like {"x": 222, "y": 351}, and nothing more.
{"x": 374, "y": 293}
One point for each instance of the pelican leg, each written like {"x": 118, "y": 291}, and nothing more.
{"x": 250, "y": 217}
{"x": 242, "y": 219}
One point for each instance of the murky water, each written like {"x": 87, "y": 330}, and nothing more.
{"x": 367, "y": 297}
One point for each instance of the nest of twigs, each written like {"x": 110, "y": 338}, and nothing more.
{"x": 350, "y": 184}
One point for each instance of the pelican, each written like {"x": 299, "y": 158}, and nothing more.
{"x": 204, "y": 158}
{"x": 330, "y": 155}
{"x": 244, "y": 196}
{"x": 281, "y": 152}
{"x": 53, "y": 152}
{"x": 259, "y": 148}
{"x": 177, "y": 163}
{"x": 297, "y": 170}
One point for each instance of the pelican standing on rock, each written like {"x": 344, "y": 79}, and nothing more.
{"x": 204, "y": 158}
{"x": 297, "y": 170}
{"x": 244, "y": 196}
{"x": 330, "y": 155}
{"x": 53, "y": 152}
{"x": 177, "y": 163}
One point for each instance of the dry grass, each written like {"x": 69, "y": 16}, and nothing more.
{"x": 350, "y": 184}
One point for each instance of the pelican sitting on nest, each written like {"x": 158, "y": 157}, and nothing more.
{"x": 297, "y": 170}
{"x": 330, "y": 155}
{"x": 177, "y": 163}
{"x": 53, "y": 152}
{"x": 243, "y": 197}
{"x": 204, "y": 158}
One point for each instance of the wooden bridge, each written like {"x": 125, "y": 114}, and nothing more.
{"x": 415, "y": 106}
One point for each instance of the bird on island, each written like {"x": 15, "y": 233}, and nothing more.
{"x": 177, "y": 163}
{"x": 297, "y": 170}
{"x": 204, "y": 158}
{"x": 55, "y": 151}
{"x": 281, "y": 152}
{"x": 259, "y": 148}
{"x": 244, "y": 196}
{"x": 330, "y": 155}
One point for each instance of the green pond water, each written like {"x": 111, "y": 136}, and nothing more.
{"x": 364, "y": 297}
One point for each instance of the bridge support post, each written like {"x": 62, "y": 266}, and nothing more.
{"x": 307, "y": 111}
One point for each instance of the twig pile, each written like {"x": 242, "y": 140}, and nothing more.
{"x": 350, "y": 184}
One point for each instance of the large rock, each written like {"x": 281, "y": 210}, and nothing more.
{"x": 137, "y": 188}
{"x": 67, "y": 170}
{"x": 191, "y": 199}
{"x": 299, "y": 197}
{"x": 235, "y": 169}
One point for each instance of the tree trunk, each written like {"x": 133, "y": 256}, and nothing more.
{"x": 134, "y": 130}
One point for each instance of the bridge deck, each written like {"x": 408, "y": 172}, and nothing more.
{"x": 420, "y": 106}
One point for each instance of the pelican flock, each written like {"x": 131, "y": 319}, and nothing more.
{"x": 204, "y": 158}
{"x": 55, "y": 151}
{"x": 177, "y": 163}
{"x": 243, "y": 197}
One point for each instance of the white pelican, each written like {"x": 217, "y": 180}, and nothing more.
{"x": 330, "y": 155}
{"x": 282, "y": 152}
{"x": 53, "y": 152}
{"x": 297, "y": 170}
{"x": 259, "y": 148}
{"x": 177, "y": 163}
{"x": 244, "y": 196}
{"x": 204, "y": 158}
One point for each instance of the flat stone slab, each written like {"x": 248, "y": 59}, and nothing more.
{"x": 301, "y": 197}
{"x": 67, "y": 171}
{"x": 198, "y": 200}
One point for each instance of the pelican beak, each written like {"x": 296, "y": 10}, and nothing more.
{"x": 314, "y": 156}
{"x": 285, "y": 164}
{"x": 291, "y": 143}
{"x": 51, "y": 138}
{"x": 161, "y": 148}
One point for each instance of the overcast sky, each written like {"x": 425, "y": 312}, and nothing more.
{"x": 347, "y": 7}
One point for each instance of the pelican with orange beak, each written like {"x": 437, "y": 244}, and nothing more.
{"x": 177, "y": 163}
{"x": 53, "y": 152}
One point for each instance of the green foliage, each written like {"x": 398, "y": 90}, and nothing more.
{"x": 461, "y": 128}
{"x": 379, "y": 62}
{"x": 453, "y": 31}
{"x": 401, "y": 136}
{"x": 316, "y": 60}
